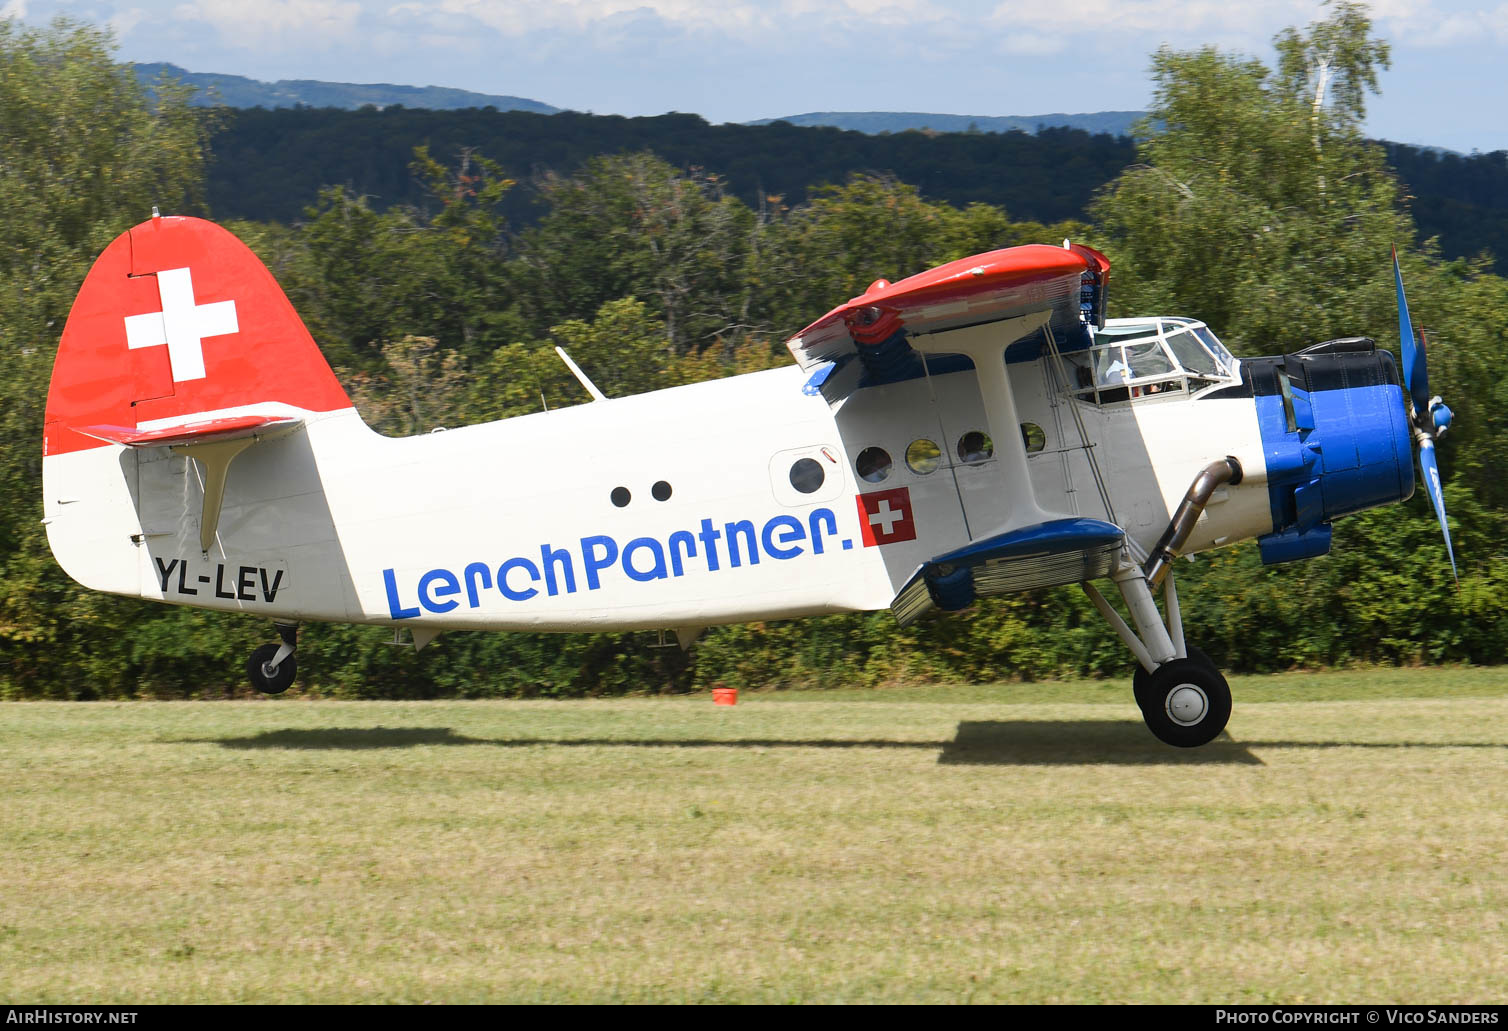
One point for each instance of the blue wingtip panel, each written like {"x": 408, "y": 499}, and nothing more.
{"x": 1052, "y": 537}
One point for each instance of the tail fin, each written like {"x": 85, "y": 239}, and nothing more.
{"x": 178, "y": 322}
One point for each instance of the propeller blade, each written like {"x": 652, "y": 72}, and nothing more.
{"x": 1415, "y": 369}
{"x": 1436, "y": 495}
{"x": 1439, "y": 414}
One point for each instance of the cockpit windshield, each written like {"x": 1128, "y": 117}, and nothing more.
{"x": 1134, "y": 358}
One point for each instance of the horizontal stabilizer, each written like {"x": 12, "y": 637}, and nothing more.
{"x": 215, "y": 443}
{"x": 203, "y": 431}
{"x": 1050, "y": 554}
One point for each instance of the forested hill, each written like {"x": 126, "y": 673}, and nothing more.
{"x": 268, "y": 164}
{"x": 238, "y": 91}
{"x": 1116, "y": 123}
{"x": 1462, "y": 199}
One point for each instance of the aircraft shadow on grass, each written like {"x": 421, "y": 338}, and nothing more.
{"x": 1023, "y": 743}
{"x": 977, "y": 743}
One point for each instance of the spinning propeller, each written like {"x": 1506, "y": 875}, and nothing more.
{"x": 1431, "y": 418}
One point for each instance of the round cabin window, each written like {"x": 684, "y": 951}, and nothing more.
{"x": 621, "y": 496}
{"x": 975, "y": 446}
{"x": 923, "y": 456}
{"x": 873, "y": 465}
{"x": 807, "y": 475}
{"x": 1033, "y": 437}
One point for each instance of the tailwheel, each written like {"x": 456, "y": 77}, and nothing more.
{"x": 1186, "y": 702}
{"x": 272, "y": 667}
{"x": 266, "y": 677}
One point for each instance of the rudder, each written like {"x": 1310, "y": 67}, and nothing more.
{"x": 179, "y": 320}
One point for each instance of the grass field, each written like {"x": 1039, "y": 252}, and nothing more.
{"x": 1026, "y": 843}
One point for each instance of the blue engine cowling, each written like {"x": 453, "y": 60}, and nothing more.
{"x": 1336, "y": 434}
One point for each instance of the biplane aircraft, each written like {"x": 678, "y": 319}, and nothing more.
{"x": 978, "y": 429}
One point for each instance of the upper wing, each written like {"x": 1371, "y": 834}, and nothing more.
{"x": 985, "y": 288}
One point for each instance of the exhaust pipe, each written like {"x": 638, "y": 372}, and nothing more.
{"x": 1170, "y": 544}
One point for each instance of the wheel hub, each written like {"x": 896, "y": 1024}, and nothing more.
{"x": 1187, "y": 704}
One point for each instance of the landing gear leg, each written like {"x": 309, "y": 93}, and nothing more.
{"x": 1182, "y": 695}
{"x": 272, "y": 667}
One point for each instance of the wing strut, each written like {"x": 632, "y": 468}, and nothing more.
{"x": 214, "y": 462}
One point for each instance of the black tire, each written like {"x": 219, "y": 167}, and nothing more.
{"x": 1141, "y": 678}
{"x": 280, "y": 680}
{"x": 1186, "y": 703}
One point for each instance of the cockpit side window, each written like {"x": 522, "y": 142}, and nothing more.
{"x": 1148, "y": 359}
{"x": 1224, "y": 357}
{"x": 1192, "y": 354}
{"x": 1145, "y": 357}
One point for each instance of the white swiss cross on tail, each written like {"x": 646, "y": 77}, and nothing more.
{"x": 885, "y": 517}
{"x": 182, "y": 325}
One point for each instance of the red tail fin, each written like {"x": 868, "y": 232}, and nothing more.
{"x": 178, "y": 319}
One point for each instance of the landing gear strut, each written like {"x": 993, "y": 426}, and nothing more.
{"x": 1182, "y": 695}
{"x": 272, "y": 667}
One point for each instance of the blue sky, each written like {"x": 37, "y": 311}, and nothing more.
{"x": 735, "y": 60}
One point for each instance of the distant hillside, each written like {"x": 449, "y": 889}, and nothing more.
{"x": 239, "y": 91}
{"x": 1116, "y": 123}
{"x": 269, "y": 164}
{"x": 1461, "y": 198}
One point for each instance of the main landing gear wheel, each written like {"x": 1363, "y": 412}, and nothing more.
{"x": 1141, "y": 678}
{"x": 1186, "y": 702}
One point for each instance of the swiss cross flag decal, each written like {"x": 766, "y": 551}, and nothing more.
{"x": 885, "y": 517}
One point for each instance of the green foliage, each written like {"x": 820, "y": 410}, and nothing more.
{"x": 271, "y": 162}
{"x": 624, "y": 350}
{"x": 83, "y": 155}
{"x": 1254, "y": 206}
{"x": 634, "y": 225}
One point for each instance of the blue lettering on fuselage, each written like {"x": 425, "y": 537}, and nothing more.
{"x": 734, "y": 545}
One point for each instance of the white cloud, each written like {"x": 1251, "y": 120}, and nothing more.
{"x": 1442, "y": 24}
{"x": 239, "y": 22}
{"x": 1109, "y": 19}
{"x": 122, "y": 22}
{"x": 1031, "y": 44}
{"x": 733, "y": 17}
{"x": 13, "y": 9}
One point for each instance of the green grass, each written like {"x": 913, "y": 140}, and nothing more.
{"x": 1027, "y": 843}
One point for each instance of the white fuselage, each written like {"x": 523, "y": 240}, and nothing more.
{"x": 513, "y": 524}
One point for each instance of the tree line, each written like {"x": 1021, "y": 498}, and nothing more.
{"x": 1249, "y": 207}
{"x": 266, "y": 164}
